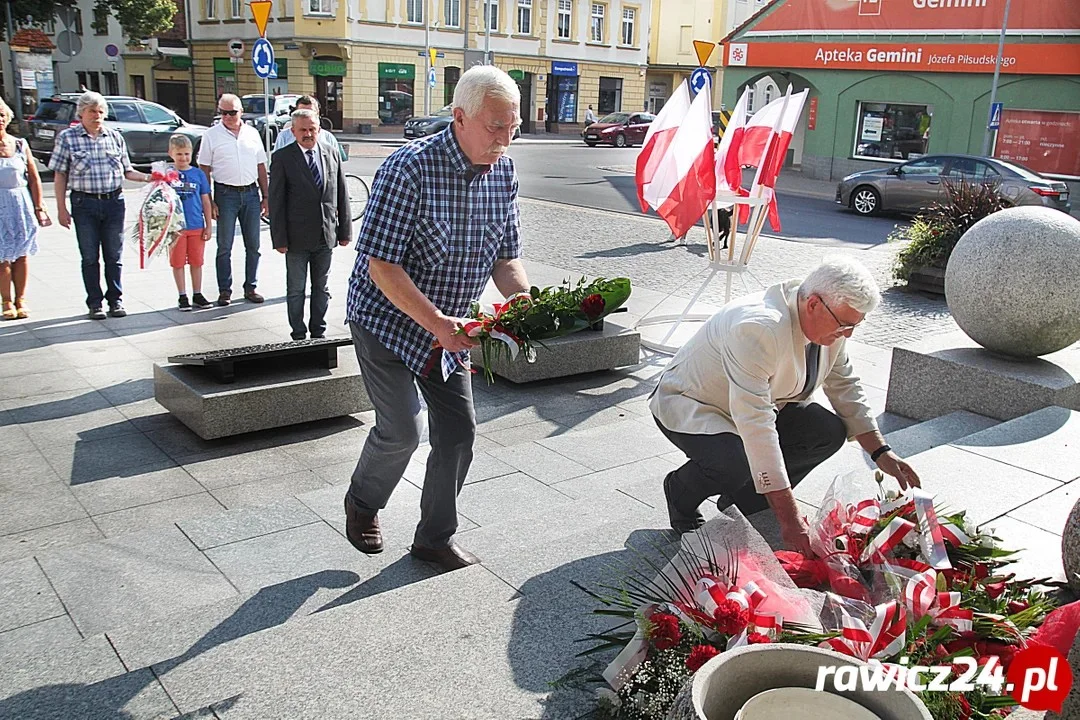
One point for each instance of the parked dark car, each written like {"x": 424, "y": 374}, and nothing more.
{"x": 423, "y": 126}
{"x": 618, "y": 129}
{"x": 281, "y": 106}
{"x": 915, "y": 185}
{"x": 146, "y": 126}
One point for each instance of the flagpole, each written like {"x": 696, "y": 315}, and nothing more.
{"x": 778, "y": 124}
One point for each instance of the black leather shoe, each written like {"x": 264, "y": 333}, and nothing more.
{"x": 680, "y": 521}
{"x": 362, "y": 529}
{"x": 448, "y": 558}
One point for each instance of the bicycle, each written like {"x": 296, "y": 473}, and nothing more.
{"x": 359, "y": 192}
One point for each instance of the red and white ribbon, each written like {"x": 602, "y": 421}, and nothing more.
{"x": 709, "y": 591}
{"x": 893, "y": 534}
{"x": 922, "y": 598}
{"x": 884, "y": 638}
{"x": 931, "y": 539}
{"x": 863, "y": 516}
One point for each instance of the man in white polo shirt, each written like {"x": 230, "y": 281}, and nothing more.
{"x": 233, "y": 158}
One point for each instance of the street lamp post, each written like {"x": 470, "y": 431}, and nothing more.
{"x": 994, "y": 83}
{"x": 13, "y": 81}
{"x": 427, "y": 61}
{"x": 487, "y": 32}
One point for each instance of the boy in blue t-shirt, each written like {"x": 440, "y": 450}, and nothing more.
{"x": 194, "y": 191}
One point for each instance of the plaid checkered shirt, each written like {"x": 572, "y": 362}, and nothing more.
{"x": 92, "y": 164}
{"x": 431, "y": 213}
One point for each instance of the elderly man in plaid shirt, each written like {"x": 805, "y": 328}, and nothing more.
{"x": 92, "y": 161}
{"x": 442, "y": 219}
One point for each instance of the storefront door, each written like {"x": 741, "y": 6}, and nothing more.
{"x": 328, "y": 92}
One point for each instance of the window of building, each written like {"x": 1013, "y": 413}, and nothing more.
{"x": 686, "y": 38}
{"x": 138, "y": 86}
{"x": 237, "y": 8}
{"x": 596, "y": 27}
{"x": 768, "y": 94}
{"x": 493, "y": 15}
{"x": 453, "y": 13}
{"x": 451, "y": 75}
{"x": 101, "y": 21}
{"x": 750, "y": 100}
{"x": 414, "y": 11}
{"x": 77, "y": 25}
{"x": 892, "y": 130}
{"x": 564, "y": 26}
{"x": 111, "y": 83}
{"x": 610, "y": 95}
{"x": 319, "y": 7}
{"x": 525, "y": 17}
{"x": 396, "y": 92}
{"x": 211, "y": 9}
{"x": 629, "y": 16}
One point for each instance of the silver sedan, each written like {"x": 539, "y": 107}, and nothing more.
{"x": 913, "y": 186}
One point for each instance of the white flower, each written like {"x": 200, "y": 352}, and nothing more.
{"x": 970, "y": 529}
{"x": 608, "y": 698}
{"x": 987, "y": 540}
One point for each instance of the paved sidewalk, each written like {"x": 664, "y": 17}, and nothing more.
{"x": 147, "y": 574}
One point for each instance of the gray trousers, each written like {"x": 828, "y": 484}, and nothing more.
{"x": 717, "y": 464}
{"x": 391, "y": 386}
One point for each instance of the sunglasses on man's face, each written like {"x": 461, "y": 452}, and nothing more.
{"x": 230, "y": 113}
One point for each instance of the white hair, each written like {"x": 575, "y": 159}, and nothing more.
{"x": 91, "y": 99}
{"x": 229, "y": 98}
{"x": 481, "y": 82}
{"x": 306, "y": 113}
{"x": 842, "y": 280}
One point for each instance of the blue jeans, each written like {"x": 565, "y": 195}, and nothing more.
{"x": 296, "y": 272}
{"x": 99, "y": 229}
{"x": 234, "y": 204}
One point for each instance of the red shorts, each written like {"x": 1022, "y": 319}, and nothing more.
{"x": 188, "y": 249}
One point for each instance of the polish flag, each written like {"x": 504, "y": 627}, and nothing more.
{"x": 658, "y": 138}
{"x": 728, "y": 171}
{"x": 684, "y": 182}
{"x": 765, "y": 143}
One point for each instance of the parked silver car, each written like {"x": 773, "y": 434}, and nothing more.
{"x": 915, "y": 185}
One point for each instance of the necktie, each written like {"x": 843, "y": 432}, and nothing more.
{"x": 813, "y": 353}
{"x": 314, "y": 169}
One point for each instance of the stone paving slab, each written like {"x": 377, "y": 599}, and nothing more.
{"x": 164, "y": 512}
{"x": 1039, "y": 550}
{"x": 25, "y": 595}
{"x": 57, "y": 632}
{"x": 939, "y": 431}
{"x": 1046, "y": 442}
{"x": 1050, "y": 511}
{"x": 39, "y": 506}
{"x": 120, "y": 493}
{"x": 244, "y": 523}
{"x": 268, "y": 490}
{"x": 31, "y": 542}
{"x": 109, "y": 583}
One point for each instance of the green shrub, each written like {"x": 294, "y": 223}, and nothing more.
{"x": 934, "y": 233}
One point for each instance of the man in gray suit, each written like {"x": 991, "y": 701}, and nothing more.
{"x": 309, "y": 214}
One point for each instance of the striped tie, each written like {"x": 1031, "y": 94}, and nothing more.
{"x": 314, "y": 169}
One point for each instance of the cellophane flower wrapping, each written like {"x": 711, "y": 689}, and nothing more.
{"x": 160, "y": 219}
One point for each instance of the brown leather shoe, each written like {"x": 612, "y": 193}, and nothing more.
{"x": 253, "y": 297}
{"x": 362, "y": 529}
{"x": 448, "y": 558}
{"x": 680, "y": 521}
{"x": 224, "y": 298}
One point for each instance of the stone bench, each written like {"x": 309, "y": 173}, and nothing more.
{"x": 239, "y": 390}
{"x": 607, "y": 347}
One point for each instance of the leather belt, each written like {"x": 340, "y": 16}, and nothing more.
{"x": 111, "y": 195}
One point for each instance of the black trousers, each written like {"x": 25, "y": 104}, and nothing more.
{"x": 717, "y": 464}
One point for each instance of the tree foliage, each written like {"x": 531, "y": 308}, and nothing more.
{"x": 38, "y": 10}
{"x": 139, "y": 18}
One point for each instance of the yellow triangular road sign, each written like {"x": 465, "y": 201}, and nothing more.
{"x": 704, "y": 50}
{"x": 260, "y": 10}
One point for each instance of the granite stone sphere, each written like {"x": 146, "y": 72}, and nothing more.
{"x": 1070, "y": 548}
{"x": 1013, "y": 281}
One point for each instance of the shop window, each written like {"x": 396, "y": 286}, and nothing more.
{"x": 524, "y": 17}
{"x": 211, "y": 9}
{"x": 565, "y": 24}
{"x": 892, "y": 130}
{"x": 453, "y": 13}
{"x": 493, "y": 15}
{"x": 451, "y": 75}
{"x": 414, "y": 11}
{"x": 610, "y": 95}
{"x": 319, "y": 7}
{"x": 396, "y": 92}
{"x": 596, "y": 27}
{"x": 566, "y": 102}
{"x": 629, "y": 16}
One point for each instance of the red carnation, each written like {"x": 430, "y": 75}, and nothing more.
{"x": 982, "y": 571}
{"x": 593, "y": 306}
{"x": 731, "y": 617}
{"x": 700, "y": 655}
{"x": 756, "y": 638}
{"x": 1016, "y": 606}
{"x": 665, "y": 631}
{"x": 995, "y": 590}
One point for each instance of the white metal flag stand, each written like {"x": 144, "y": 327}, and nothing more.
{"x": 720, "y": 261}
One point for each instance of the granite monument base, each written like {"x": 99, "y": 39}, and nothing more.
{"x": 581, "y": 352}
{"x": 950, "y": 372}
{"x": 274, "y": 395}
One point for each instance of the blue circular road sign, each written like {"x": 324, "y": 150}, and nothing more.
{"x": 700, "y": 79}
{"x": 262, "y": 58}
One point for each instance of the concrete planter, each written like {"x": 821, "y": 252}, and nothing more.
{"x": 723, "y": 685}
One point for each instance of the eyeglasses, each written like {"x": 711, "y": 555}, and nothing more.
{"x": 842, "y": 326}
{"x": 230, "y": 113}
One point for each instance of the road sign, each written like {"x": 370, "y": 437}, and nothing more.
{"x": 431, "y": 77}
{"x": 432, "y": 54}
{"x": 236, "y": 48}
{"x": 700, "y": 79}
{"x": 112, "y": 52}
{"x": 993, "y": 122}
{"x": 260, "y": 11}
{"x": 262, "y": 57}
{"x": 421, "y": 53}
{"x": 704, "y": 50}
{"x": 68, "y": 43}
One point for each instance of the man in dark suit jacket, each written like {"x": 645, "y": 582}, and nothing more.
{"x": 309, "y": 214}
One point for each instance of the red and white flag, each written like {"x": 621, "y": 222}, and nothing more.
{"x": 728, "y": 170}
{"x": 684, "y": 182}
{"x": 658, "y": 139}
{"x": 765, "y": 143}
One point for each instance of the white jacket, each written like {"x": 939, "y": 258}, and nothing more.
{"x": 741, "y": 367}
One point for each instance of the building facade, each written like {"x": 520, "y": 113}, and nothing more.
{"x": 367, "y": 61}
{"x": 892, "y": 80}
